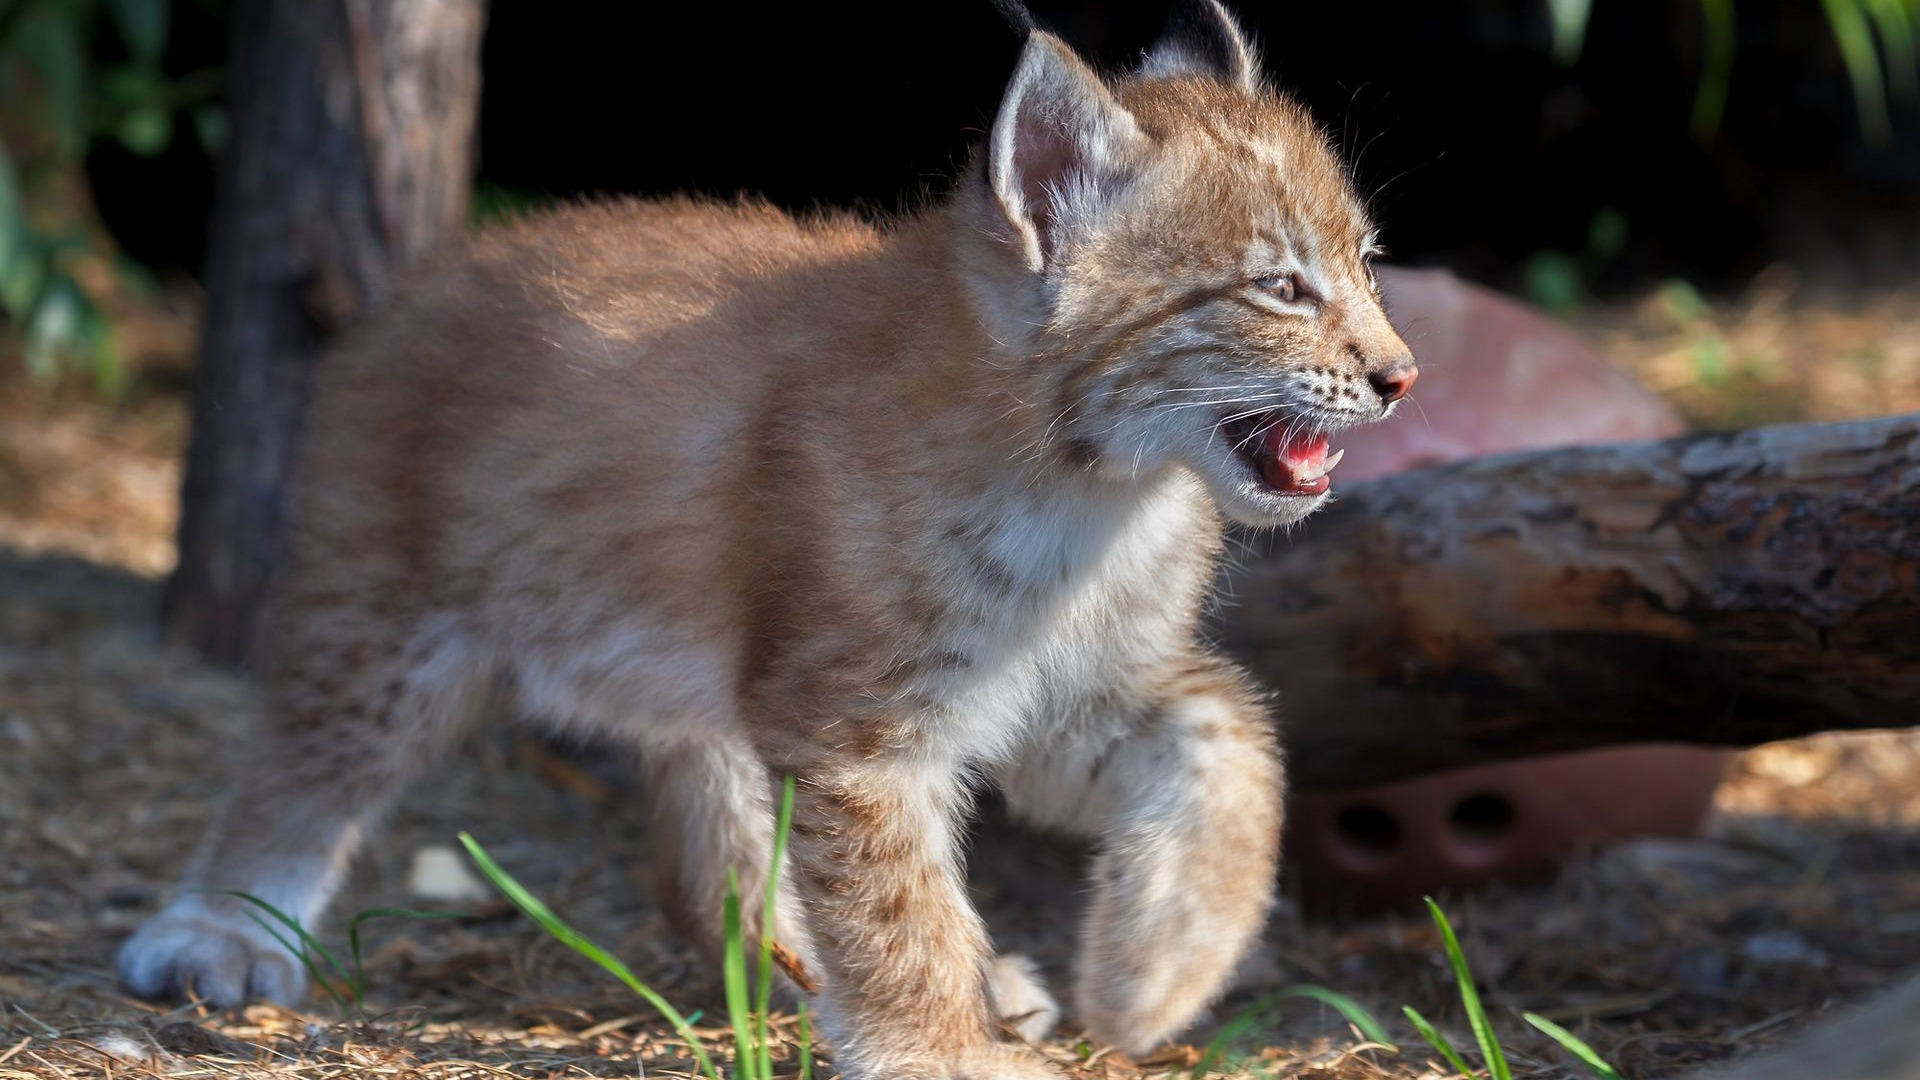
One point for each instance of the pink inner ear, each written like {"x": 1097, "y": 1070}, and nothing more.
{"x": 1044, "y": 158}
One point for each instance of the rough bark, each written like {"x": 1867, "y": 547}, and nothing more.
{"x": 1717, "y": 589}
{"x": 350, "y": 156}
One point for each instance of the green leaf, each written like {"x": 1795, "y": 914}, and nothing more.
{"x": 494, "y": 204}
{"x": 1709, "y": 355}
{"x": 210, "y": 127}
{"x": 145, "y": 130}
{"x": 128, "y": 85}
{"x": 50, "y": 38}
{"x": 1682, "y": 302}
{"x": 1436, "y": 1040}
{"x": 13, "y": 223}
{"x": 572, "y": 939}
{"x": 1851, "y": 33}
{"x": 1470, "y": 997}
{"x": 54, "y": 327}
{"x": 1553, "y": 281}
{"x": 1607, "y": 233}
{"x": 10, "y": 18}
{"x": 143, "y": 26}
{"x": 108, "y": 369}
{"x": 23, "y": 280}
{"x": 1574, "y": 1045}
{"x": 1896, "y": 26}
{"x": 1716, "y": 68}
{"x": 1570, "y": 19}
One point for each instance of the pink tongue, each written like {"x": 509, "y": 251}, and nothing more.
{"x": 1286, "y": 458}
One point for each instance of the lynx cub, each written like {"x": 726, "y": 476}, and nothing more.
{"x": 890, "y": 509}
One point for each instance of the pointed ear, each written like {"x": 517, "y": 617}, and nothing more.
{"x": 1202, "y": 39}
{"x": 1060, "y": 150}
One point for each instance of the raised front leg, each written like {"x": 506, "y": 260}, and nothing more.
{"x": 905, "y": 957}
{"x": 1182, "y": 786}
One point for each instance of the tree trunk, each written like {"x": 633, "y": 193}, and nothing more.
{"x": 1721, "y": 589}
{"x": 351, "y": 155}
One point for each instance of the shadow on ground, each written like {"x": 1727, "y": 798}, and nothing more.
{"x": 1662, "y": 953}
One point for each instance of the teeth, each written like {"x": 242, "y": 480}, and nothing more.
{"x": 1326, "y": 467}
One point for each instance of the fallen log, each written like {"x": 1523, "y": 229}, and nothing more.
{"x": 1726, "y": 589}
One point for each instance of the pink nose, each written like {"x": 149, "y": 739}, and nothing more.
{"x": 1393, "y": 381}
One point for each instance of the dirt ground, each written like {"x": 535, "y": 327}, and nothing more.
{"x": 1803, "y": 897}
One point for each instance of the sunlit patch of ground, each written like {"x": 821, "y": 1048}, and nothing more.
{"x": 1772, "y": 355}
{"x": 87, "y": 479}
{"x": 1664, "y": 954}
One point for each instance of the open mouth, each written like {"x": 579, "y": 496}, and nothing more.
{"x": 1287, "y": 461}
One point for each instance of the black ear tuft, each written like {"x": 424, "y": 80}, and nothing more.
{"x": 1016, "y": 14}
{"x": 1203, "y": 39}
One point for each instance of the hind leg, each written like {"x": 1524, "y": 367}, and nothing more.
{"x": 352, "y": 714}
{"x": 713, "y": 808}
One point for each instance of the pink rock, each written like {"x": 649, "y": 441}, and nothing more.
{"x": 1495, "y": 376}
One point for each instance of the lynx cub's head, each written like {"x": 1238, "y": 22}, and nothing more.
{"x": 1190, "y": 270}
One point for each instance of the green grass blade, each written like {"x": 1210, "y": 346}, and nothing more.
{"x": 1716, "y": 68}
{"x": 1495, "y": 1060}
{"x": 1851, "y": 33}
{"x": 1570, "y": 19}
{"x": 359, "y": 982}
{"x": 782, "y": 827}
{"x": 1369, "y": 1026}
{"x": 314, "y": 974}
{"x": 1216, "y": 1047}
{"x": 572, "y": 939}
{"x": 1895, "y": 24}
{"x": 734, "y": 970}
{"x": 308, "y": 940}
{"x": 13, "y": 223}
{"x": 405, "y": 913}
{"x": 1437, "y": 1041}
{"x": 1574, "y": 1045}
{"x": 803, "y": 1027}
{"x": 142, "y": 25}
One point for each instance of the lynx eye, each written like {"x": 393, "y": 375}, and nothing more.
{"x": 1285, "y": 288}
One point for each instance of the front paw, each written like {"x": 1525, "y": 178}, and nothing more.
{"x": 214, "y": 950}
{"x": 1002, "y": 1061}
{"x": 1020, "y": 999}
{"x": 987, "y": 1061}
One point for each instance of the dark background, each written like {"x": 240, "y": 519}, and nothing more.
{"x": 1478, "y": 150}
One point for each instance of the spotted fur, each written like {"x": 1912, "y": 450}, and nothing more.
{"x": 892, "y": 509}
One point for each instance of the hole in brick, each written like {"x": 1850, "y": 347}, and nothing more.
{"x": 1369, "y": 828}
{"x": 1485, "y": 818}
